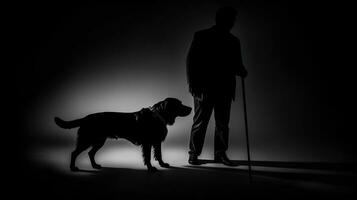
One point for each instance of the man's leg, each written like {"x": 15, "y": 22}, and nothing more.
{"x": 203, "y": 110}
{"x": 222, "y": 108}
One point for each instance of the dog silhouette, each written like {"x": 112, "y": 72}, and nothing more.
{"x": 147, "y": 128}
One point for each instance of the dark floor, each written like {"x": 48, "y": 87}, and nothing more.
{"x": 278, "y": 180}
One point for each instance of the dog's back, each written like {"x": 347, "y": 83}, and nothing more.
{"x": 138, "y": 127}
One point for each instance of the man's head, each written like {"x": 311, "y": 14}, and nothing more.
{"x": 225, "y": 18}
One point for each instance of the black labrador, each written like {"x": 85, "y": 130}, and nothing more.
{"x": 146, "y": 128}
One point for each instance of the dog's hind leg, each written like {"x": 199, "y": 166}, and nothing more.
{"x": 146, "y": 148}
{"x": 95, "y": 147}
{"x": 81, "y": 146}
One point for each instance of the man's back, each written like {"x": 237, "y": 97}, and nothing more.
{"x": 213, "y": 60}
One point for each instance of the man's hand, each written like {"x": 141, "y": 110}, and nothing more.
{"x": 195, "y": 91}
{"x": 243, "y": 73}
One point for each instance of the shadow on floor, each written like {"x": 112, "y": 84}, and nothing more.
{"x": 329, "y": 166}
{"x": 180, "y": 182}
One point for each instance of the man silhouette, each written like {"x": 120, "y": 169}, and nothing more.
{"x": 213, "y": 61}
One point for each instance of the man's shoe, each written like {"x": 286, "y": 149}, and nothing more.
{"x": 193, "y": 160}
{"x": 222, "y": 158}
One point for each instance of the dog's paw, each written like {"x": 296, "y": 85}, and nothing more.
{"x": 96, "y": 166}
{"x": 152, "y": 169}
{"x": 74, "y": 169}
{"x": 164, "y": 165}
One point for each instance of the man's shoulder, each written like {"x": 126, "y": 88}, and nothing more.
{"x": 233, "y": 37}
{"x": 203, "y": 32}
{"x": 211, "y": 32}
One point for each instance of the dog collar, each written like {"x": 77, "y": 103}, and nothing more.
{"x": 157, "y": 114}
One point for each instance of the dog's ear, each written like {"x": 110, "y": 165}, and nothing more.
{"x": 162, "y": 105}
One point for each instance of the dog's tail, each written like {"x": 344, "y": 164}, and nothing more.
{"x": 67, "y": 124}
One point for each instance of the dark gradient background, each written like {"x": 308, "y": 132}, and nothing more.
{"x": 85, "y": 58}
{"x": 77, "y": 59}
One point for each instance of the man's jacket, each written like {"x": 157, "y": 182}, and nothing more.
{"x": 213, "y": 61}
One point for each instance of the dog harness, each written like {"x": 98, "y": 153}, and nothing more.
{"x": 157, "y": 115}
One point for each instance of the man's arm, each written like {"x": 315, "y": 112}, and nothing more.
{"x": 193, "y": 63}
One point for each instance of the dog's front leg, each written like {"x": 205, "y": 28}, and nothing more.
{"x": 147, "y": 157}
{"x": 158, "y": 155}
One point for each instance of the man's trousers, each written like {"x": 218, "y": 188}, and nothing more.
{"x": 203, "y": 107}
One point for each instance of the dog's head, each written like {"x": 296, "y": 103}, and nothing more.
{"x": 170, "y": 108}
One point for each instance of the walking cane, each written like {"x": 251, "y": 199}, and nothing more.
{"x": 246, "y": 129}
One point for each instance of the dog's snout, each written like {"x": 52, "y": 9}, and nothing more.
{"x": 189, "y": 109}
{"x": 186, "y": 110}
